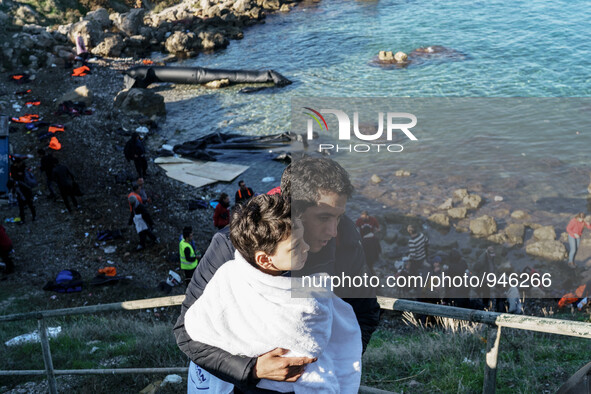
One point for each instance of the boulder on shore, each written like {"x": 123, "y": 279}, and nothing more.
{"x": 81, "y": 93}
{"x": 545, "y": 233}
{"x": 440, "y": 219}
{"x": 457, "y": 213}
{"x": 515, "y": 233}
{"x": 472, "y": 201}
{"x": 141, "y": 100}
{"x": 548, "y": 249}
{"x": 483, "y": 226}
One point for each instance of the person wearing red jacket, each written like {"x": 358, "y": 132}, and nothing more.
{"x": 221, "y": 215}
{"x": 575, "y": 230}
{"x": 5, "y": 249}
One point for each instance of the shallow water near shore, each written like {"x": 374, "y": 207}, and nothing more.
{"x": 509, "y": 49}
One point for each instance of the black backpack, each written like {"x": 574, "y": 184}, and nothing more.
{"x": 66, "y": 281}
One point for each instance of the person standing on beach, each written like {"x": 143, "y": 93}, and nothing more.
{"x": 188, "y": 254}
{"x": 135, "y": 150}
{"x": 47, "y": 164}
{"x": 143, "y": 222}
{"x": 575, "y": 230}
{"x": 81, "y": 51}
{"x": 65, "y": 183}
{"x": 5, "y": 250}
{"x": 221, "y": 215}
{"x": 243, "y": 194}
{"x": 23, "y": 191}
{"x": 365, "y": 219}
{"x": 417, "y": 249}
{"x": 319, "y": 189}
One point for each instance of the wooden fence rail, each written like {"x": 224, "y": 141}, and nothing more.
{"x": 495, "y": 320}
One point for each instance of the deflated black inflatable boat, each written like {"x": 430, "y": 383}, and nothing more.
{"x": 143, "y": 76}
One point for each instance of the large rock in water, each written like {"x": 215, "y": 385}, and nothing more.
{"x": 545, "y": 233}
{"x": 549, "y": 249}
{"x": 141, "y": 100}
{"x": 457, "y": 213}
{"x": 213, "y": 40}
{"x": 483, "y": 226}
{"x": 181, "y": 42}
{"x": 440, "y": 218}
{"x": 472, "y": 201}
{"x": 515, "y": 233}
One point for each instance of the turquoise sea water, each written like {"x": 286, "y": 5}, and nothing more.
{"x": 511, "y": 49}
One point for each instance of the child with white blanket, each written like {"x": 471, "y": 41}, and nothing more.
{"x": 247, "y": 308}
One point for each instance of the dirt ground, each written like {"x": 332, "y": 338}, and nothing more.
{"x": 92, "y": 147}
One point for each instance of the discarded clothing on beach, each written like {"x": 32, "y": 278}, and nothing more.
{"x": 20, "y": 78}
{"x": 36, "y": 125}
{"x": 73, "y": 109}
{"x": 26, "y": 118}
{"x": 102, "y": 280}
{"x": 44, "y": 135}
{"x": 22, "y": 92}
{"x": 66, "y": 281}
{"x": 198, "y": 204}
{"x": 107, "y": 235}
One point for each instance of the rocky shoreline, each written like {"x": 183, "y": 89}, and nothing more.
{"x": 183, "y": 30}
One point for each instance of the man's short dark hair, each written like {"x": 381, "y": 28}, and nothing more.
{"x": 187, "y": 231}
{"x": 303, "y": 180}
{"x": 241, "y": 182}
{"x": 260, "y": 224}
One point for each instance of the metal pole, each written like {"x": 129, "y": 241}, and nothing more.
{"x": 492, "y": 355}
{"x": 47, "y": 356}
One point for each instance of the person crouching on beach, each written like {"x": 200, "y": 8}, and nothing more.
{"x": 575, "y": 230}
{"x": 248, "y": 308}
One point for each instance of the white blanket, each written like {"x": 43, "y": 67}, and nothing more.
{"x": 245, "y": 311}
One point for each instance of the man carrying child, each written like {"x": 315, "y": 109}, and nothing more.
{"x": 248, "y": 307}
{"x": 320, "y": 188}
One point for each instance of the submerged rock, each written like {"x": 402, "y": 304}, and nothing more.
{"x": 440, "y": 219}
{"x": 472, "y": 201}
{"x": 447, "y": 204}
{"x": 545, "y": 233}
{"x": 515, "y": 233}
{"x": 457, "y": 213}
{"x": 483, "y": 226}
{"x": 459, "y": 194}
{"x": 549, "y": 249}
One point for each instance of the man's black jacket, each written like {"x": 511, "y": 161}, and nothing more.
{"x": 343, "y": 254}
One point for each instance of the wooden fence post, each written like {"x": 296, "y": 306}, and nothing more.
{"x": 47, "y": 356}
{"x": 492, "y": 355}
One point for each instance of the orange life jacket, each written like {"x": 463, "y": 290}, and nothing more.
{"x": 27, "y": 118}
{"x": 247, "y": 192}
{"x": 81, "y": 71}
{"x": 32, "y": 103}
{"x": 147, "y": 62}
{"x": 108, "y": 271}
{"x": 17, "y": 77}
{"x": 570, "y": 298}
{"x": 55, "y": 144}
{"x": 54, "y": 128}
{"x": 137, "y": 196}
